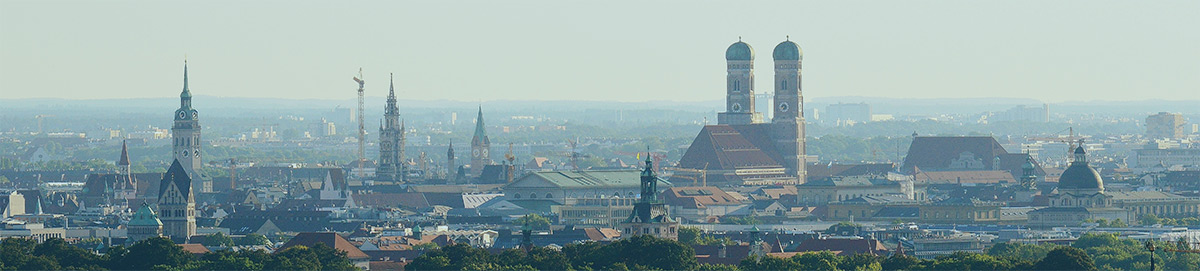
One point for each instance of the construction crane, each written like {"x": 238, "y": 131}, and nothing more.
{"x": 1071, "y": 139}
{"x": 39, "y": 121}
{"x": 575, "y": 155}
{"x": 511, "y": 162}
{"x": 362, "y": 130}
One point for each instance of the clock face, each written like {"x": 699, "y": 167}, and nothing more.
{"x": 737, "y": 107}
{"x": 193, "y": 115}
{"x": 185, "y": 153}
{"x": 783, "y": 107}
{"x": 475, "y": 153}
{"x": 485, "y": 152}
{"x": 182, "y": 115}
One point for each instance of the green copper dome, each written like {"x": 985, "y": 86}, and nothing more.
{"x": 145, "y": 217}
{"x": 739, "y": 51}
{"x": 787, "y": 50}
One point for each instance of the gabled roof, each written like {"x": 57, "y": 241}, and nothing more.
{"x": 848, "y": 181}
{"x": 330, "y": 239}
{"x": 844, "y": 247}
{"x": 177, "y": 175}
{"x": 937, "y": 153}
{"x": 729, "y": 147}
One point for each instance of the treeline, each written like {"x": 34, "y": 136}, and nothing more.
{"x": 1090, "y": 252}
{"x": 162, "y": 254}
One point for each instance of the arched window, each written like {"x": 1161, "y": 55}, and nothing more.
{"x": 532, "y": 195}
{"x": 516, "y": 195}
{"x": 783, "y": 85}
{"x": 737, "y": 85}
{"x": 548, "y": 195}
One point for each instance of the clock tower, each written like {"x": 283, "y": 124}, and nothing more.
{"x": 185, "y": 134}
{"x": 480, "y": 144}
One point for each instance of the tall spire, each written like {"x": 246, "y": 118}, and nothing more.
{"x": 391, "y": 87}
{"x": 124, "y": 160}
{"x": 186, "y": 93}
{"x": 480, "y": 132}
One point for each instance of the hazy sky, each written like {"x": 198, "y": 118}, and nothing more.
{"x": 598, "y": 50}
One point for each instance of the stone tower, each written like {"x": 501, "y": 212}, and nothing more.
{"x": 186, "y": 135}
{"x": 177, "y": 203}
{"x": 391, "y": 141}
{"x": 126, "y": 187}
{"x": 480, "y": 145}
{"x": 788, "y": 122}
{"x": 650, "y": 215}
{"x": 739, "y": 93}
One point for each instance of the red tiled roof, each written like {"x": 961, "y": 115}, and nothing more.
{"x": 844, "y": 247}
{"x": 333, "y": 240}
{"x": 699, "y": 197}
{"x": 729, "y": 147}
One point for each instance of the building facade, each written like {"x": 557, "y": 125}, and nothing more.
{"x": 391, "y": 141}
{"x": 144, "y": 225}
{"x": 1165, "y": 125}
{"x": 177, "y": 203}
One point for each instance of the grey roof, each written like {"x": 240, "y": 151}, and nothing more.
{"x": 176, "y": 174}
{"x": 787, "y": 50}
{"x": 1080, "y": 176}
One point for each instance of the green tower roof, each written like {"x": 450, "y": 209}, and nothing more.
{"x": 739, "y": 51}
{"x": 145, "y": 217}
{"x": 787, "y": 50}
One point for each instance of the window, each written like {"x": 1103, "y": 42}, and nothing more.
{"x": 532, "y": 195}
{"x": 737, "y": 85}
{"x": 548, "y": 195}
{"x": 783, "y": 85}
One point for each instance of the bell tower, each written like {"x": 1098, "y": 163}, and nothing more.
{"x": 739, "y": 86}
{"x": 480, "y": 145}
{"x": 788, "y": 121}
{"x": 185, "y": 134}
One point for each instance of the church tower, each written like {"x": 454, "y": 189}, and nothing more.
{"x": 788, "y": 121}
{"x": 177, "y": 203}
{"x": 391, "y": 141}
{"x": 739, "y": 86}
{"x": 126, "y": 188}
{"x": 650, "y": 215}
{"x": 451, "y": 169}
{"x": 186, "y": 134}
{"x": 480, "y": 145}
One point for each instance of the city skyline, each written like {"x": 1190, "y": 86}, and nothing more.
{"x": 482, "y": 51}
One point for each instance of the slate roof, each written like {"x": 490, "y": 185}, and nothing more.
{"x": 972, "y": 176}
{"x": 176, "y": 174}
{"x": 848, "y": 181}
{"x": 937, "y": 152}
{"x": 730, "y": 147}
{"x": 624, "y": 178}
{"x": 411, "y": 201}
{"x": 819, "y": 171}
{"x": 330, "y": 239}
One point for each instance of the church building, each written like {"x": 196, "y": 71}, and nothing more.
{"x": 1081, "y": 196}
{"x": 185, "y": 135}
{"x": 743, "y": 149}
{"x": 177, "y": 203}
{"x": 391, "y": 141}
{"x": 480, "y": 145}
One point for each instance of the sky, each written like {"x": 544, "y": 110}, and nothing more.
{"x": 1053, "y": 51}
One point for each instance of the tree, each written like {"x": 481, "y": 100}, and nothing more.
{"x": 254, "y": 239}
{"x": 535, "y": 221}
{"x": 688, "y": 235}
{"x": 1022, "y": 251}
{"x": 1065, "y": 258}
{"x": 158, "y": 251}
{"x": 217, "y": 240}
{"x": 67, "y": 256}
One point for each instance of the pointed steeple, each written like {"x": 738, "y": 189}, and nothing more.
{"x": 480, "y": 133}
{"x": 450, "y": 150}
{"x": 124, "y": 160}
{"x": 186, "y": 92}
